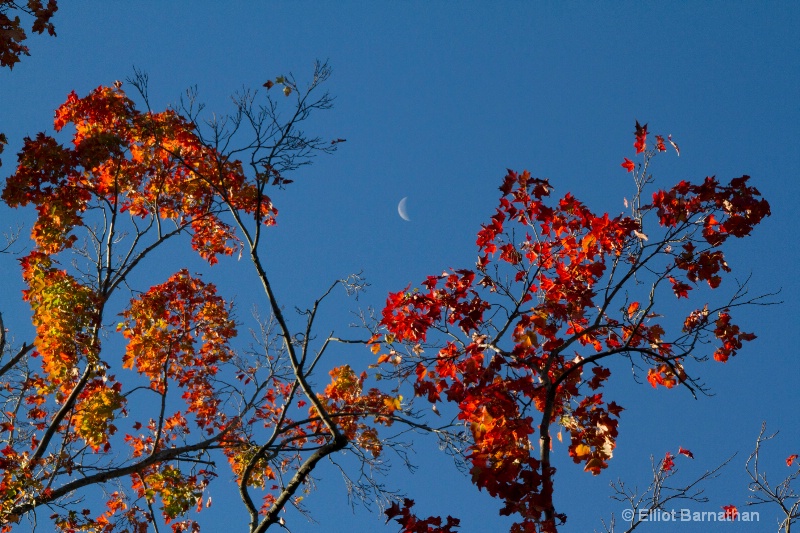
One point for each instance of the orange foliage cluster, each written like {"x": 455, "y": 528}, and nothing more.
{"x": 179, "y": 331}
{"x": 152, "y": 167}
{"x": 148, "y": 164}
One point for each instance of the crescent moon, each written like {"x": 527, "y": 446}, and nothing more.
{"x": 401, "y": 209}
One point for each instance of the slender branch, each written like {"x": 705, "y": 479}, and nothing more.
{"x": 16, "y": 358}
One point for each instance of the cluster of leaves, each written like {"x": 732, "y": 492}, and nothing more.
{"x": 12, "y": 34}
{"x": 128, "y": 182}
{"x": 179, "y": 331}
{"x": 523, "y": 343}
{"x": 147, "y": 164}
{"x": 64, "y": 313}
{"x": 152, "y": 168}
{"x": 345, "y": 395}
{"x": 148, "y": 167}
{"x": 409, "y": 523}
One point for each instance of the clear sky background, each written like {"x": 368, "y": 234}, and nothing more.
{"x": 436, "y": 100}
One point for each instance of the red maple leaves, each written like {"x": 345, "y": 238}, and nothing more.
{"x": 522, "y": 330}
{"x": 628, "y": 165}
{"x": 411, "y": 524}
{"x": 668, "y": 463}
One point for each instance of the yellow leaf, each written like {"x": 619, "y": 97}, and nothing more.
{"x": 582, "y": 450}
{"x": 529, "y": 339}
{"x": 393, "y": 403}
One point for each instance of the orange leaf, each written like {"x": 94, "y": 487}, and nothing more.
{"x": 393, "y": 404}
{"x": 587, "y": 242}
{"x": 582, "y": 450}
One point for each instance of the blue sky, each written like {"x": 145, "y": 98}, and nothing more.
{"x": 436, "y": 100}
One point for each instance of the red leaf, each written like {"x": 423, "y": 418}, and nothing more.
{"x": 394, "y": 509}
{"x": 731, "y": 512}
{"x": 628, "y": 165}
{"x": 790, "y": 459}
{"x": 641, "y": 138}
{"x": 668, "y": 464}
{"x": 615, "y": 409}
{"x": 680, "y": 288}
{"x": 685, "y": 452}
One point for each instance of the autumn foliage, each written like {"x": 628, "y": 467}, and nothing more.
{"x": 128, "y": 182}
{"x": 522, "y": 344}
{"x": 519, "y": 347}
{"x": 12, "y": 32}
